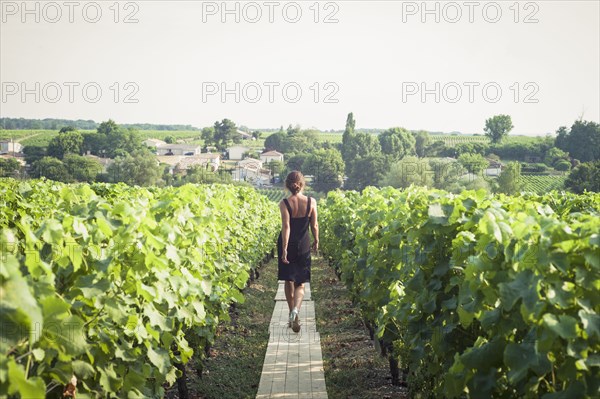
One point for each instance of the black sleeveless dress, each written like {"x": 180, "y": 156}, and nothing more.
{"x": 298, "y": 270}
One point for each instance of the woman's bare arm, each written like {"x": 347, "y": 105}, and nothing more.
{"x": 285, "y": 229}
{"x": 314, "y": 226}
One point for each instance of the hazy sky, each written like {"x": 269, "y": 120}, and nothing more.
{"x": 386, "y": 61}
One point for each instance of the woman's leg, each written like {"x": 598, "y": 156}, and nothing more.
{"x": 289, "y": 294}
{"x": 298, "y": 296}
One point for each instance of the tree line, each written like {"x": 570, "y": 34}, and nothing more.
{"x": 396, "y": 157}
{"x": 79, "y": 124}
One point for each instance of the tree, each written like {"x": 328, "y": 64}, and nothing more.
{"x": 66, "y": 142}
{"x": 436, "y": 149}
{"x": 446, "y": 172}
{"x": 169, "y": 139}
{"x": 225, "y": 133}
{"x": 275, "y": 141}
{"x": 295, "y": 162}
{"x": 67, "y": 129}
{"x": 208, "y": 135}
{"x": 366, "y": 171}
{"x": 107, "y": 127}
{"x": 347, "y": 137}
{"x": 81, "y": 168}
{"x": 327, "y": 167}
{"x": 293, "y": 130}
{"x": 554, "y": 155}
{"x": 34, "y": 153}
{"x": 397, "y": 143}
{"x": 409, "y": 170}
{"x": 137, "y": 169}
{"x": 361, "y": 145}
{"x": 474, "y": 163}
{"x": 250, "y": 154}
{"x": 201, "y": 175}
{"x": 256, "y": 134}
{"x": 295, "y": 142}
{"x": 111, "y": 140}
{"x": 585, "y": 177}
{"x": 509, "y": 181}
{"x": 498, "y": 127}
{"x": 422, "y": 140}
{"x": 51, "y": 168}
{"x": 582, "y": 142}
{"x": 9, "y": 167}
{"x": 474, "y": 148}
{"x": 275, "y": 166}
{"x": 303, "y": 141}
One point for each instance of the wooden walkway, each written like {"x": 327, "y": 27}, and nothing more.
{"x": 293, "y": 366}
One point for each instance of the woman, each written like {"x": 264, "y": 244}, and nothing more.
{"x": 293, "y": 245}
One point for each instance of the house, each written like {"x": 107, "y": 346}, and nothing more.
{"x": 153, "y": 143}
{"x": 256, "y": 163}
{"x": 269, "y": 156}
{"x": 212, "y": 161}
{"x": 9, "y": 146}
{"x": 245, "y": 136}
{"x": 251, "y": 170}
{"x": 170, "y": 160}
{"x": 236, "y": 152}
{"x": 105, "y": 162}
{"x": 19, "y": 159}
{"x": 178, "y": 149}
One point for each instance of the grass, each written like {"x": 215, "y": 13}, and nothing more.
{"x": 353, "y": 368}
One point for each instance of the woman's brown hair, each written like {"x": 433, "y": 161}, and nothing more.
{"x": 295, "y": 182}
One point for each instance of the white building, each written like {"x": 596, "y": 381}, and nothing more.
{"x": 178, "y": 149}
{"x": 153, "y": 143}
{"x": 269, "y": 156}
{"x": 251, "y": 170}
{"x": 236, "y": 152}
{"x": 245, "y": 136}
{"x": 8, "y": 146}
{"x": 250, "y": 162}
{"x": 170, "y": 160}
{"x": 210, "y": 161}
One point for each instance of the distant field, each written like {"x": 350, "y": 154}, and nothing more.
{"x": 277, "y": 194}
{"x": 451, "y": 141}
{"x": 542, "y": 184}
{"x": 18, "y": 135}
{"x": 43, "y": 137}
{"x": 177, "y": 134}
{"x": 274, "y": 194}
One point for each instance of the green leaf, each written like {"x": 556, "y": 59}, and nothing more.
{"x": 33, "y": 387}
{"x": 160, "y": 359}
{"x": 155, "y": 317}
{"x": 520, "y": 358}
{"x": 484, "y": 355}
{"x": 38, "y": 354}
{"x": 436, "y": 214}
{"x": 564, "y": 326}
{"x": 66, "y": 335}
{"x": 524, "y": 286}
{"x": 575, "y": 390}
{"x": 19, "y": 311}
{"x": 109, "y": 381}
{"x": 83, "y": 370}
{"x": 591, "y": 323}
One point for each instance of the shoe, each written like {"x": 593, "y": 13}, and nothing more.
{"x": 290, "y": 319}
{"x": 296, "y": 323}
